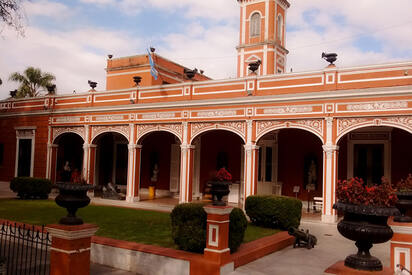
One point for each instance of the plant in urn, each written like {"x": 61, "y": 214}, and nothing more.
{"x": 404, "y": 203}
{"x": 220, "y": 186}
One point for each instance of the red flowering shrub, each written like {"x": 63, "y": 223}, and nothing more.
{"x": 355, "y": 191}
{"x": 405, "y": 184}
{"x": 223, "y": 175}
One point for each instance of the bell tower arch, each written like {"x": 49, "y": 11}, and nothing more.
{"x": 262, "y": 36}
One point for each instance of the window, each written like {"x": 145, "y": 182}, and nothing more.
{"x": 280, "y": 27}
{"x": 255, "y": 24}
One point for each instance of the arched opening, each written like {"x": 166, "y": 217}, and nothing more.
{"x": 290, "y": 163}
{"x": 69, "y": 156}
{"x": 213, "y": 150}
{"x": 374, "y": 152}
{"x": 111, "y": 165}
{"x": 160, "y": 164}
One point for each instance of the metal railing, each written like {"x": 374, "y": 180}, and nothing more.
{"x": 25, "y": 249}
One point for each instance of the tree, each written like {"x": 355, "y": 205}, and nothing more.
{"x": 11, "y": 15}
{"x": 32, "y": 82}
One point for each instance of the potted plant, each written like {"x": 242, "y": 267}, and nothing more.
{"x": 219, "y": 186}
{"x": 366, "y": 210}
{"x": 72, "y": 196}
{"x": 404, "y": 203}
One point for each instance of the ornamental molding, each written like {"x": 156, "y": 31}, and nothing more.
{"x": 25, "y": 133}
{"x": 174, "y": 128}
{"x": 377, "y": 106}
{"x": 314, "y": 126}
{"x": 287, "y": 110}
{"x": 162, "y": 115}
{"x": 238, "y": 127}
{"x": 66, "y": 119}
{"x": 346, "y": 125}
{"x": 100, "y": 129}
{"x": 215, "y": 113}
{"x": 105, "y": 118}
{"x": 57, "y": 131}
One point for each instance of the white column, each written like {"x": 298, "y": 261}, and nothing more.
{"x": 330, "y": 164}
{"x": 250, "y": 164}
{"x": 49, "y": 149}
{"x": 86, "y": 151}
{"x": 131, "y": 183}
{"x": 186, "y": 168}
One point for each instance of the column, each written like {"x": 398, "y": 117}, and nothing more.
{"x": 133, "y": 170}
{"x": 251, "y": 164}
{"x": 330, "y": 165}
{"x": 53, "y": 163}
{"x": 217, "y": 234}
{"x": 186, "y": 173}
{"x": 51, "y": 154}
{"x": 91, "y": 168}
{"x": 86, "y": 151}
{"x": 70, "y": 249}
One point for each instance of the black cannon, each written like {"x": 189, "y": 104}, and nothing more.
{"x": 302, "y": 238}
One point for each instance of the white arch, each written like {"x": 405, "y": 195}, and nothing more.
{"x": 374, "y": 123}
{"x": 174, "y": 133}
{"x": 67, "y": 131}
{"x": 218, "y": 127}
{"x": 282, "y": 126}
{"x": 109, "y": 131}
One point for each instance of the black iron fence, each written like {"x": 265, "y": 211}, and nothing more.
{"x": 24, "y": 249}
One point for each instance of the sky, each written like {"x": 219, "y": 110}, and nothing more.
{"x": 72, "y": 38}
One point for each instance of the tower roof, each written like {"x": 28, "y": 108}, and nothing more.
{"x": 285, "y": 2}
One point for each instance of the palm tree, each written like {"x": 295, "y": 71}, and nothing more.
{"x": 32, "y": 81}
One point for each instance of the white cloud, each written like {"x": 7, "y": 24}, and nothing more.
{"x": 73, "y": 57}
{"x": 46, "y": 8}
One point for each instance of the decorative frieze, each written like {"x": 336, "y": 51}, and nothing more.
{"x": 105, "y": 118}
{"x": 287, "y": 110}
{"x": 121, "y": 129}
{"x": 66, "y": 119}
{"x": 377, "y": 106}
{"x": 346, "y": 123}
{"x": 214, "y": 113}
{"x": 175, "y": 128}
{"x": 234, "y": 126}
{"x": 57, "y": 131}
{"x": 163, "y": 115}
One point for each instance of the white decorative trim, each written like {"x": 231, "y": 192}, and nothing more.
{"x": 376, "y": 106}
{"x": 218, "y": 210}
{"x": 100, "y": 129}
{"x": 237, "y": 127}
{"x": 78, "y": 251}
{"x": 327, "y": 78}
{"x": 197, "y": 86}
{"x": 71, "y": 235}
{"x": 158, "y": 116}
{"x": 397, "y": 252}
{"x": 57, "y": 131}
{"x": 401, "y": 229}
{"x": 213, "y": 228}
{"x": 321, "y": 76}
{"x": 110, "y": 118}
{"x": 289, "y": 109}
{"x": 66, "y": 119}
{"x": 314, "y": 126}
{"x": 174, "y": 128}
{"x": 28, "y": 132}
{"x": 160, "y": 91}
{"x": 217, "y": 113}
{"x": 340, "y": 74}
{"x": 217, "y": 251}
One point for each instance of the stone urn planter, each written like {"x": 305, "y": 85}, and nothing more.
{"x": 366, "y": 225}
{"x": 404, "y": 204}
{"x": 72, "y": 197}
{"x": 219, "y": 189}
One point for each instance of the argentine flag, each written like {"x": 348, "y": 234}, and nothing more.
{"x": 153, "y": 70}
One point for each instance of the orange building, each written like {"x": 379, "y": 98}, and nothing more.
{"x": 276, "y": 133}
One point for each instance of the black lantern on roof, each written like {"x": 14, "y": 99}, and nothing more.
{"x": 330, "y": 57}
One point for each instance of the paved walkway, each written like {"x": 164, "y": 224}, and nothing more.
{"x": 331, "y": 247}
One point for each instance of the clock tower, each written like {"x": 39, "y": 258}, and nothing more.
{"x": 262, "y": 36}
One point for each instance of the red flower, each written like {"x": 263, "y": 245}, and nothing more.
{"x": 223, "y": 175}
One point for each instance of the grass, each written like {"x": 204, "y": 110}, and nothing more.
{"x": 141, "y": 226}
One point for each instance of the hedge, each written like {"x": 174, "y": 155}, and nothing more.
{"x": 274, "y": 211}
{"x": 189, "y": 227}
{"x": 31, "y": 188}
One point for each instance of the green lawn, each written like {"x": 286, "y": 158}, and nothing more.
{"x": 142, "y": 226}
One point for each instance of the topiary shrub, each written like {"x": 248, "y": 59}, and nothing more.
{"x": 189, "y": 227}
{"x": 237, "y": 228}
{"x": 31, "y": 188}
{"x": 274, "y": 211}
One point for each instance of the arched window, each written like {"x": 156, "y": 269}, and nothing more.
{"x": 280, "y": 27}
{"x": 255, "y": 24}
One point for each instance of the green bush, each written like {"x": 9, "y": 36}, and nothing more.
{"x": 274, "y": 211}
{"x": 31, "y": 188}
{"x": 189, "y": 227}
